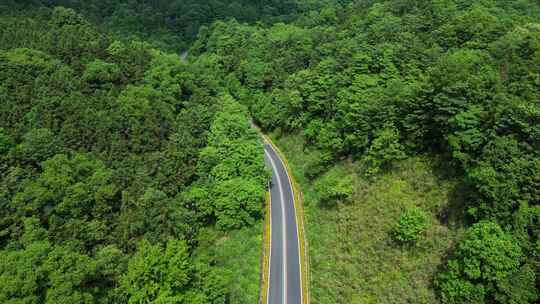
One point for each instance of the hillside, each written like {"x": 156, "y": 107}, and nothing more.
{"x": 130, "y": 175}
{"x": 170, "y": 25}
{"x": 376, "y": 85}
{"x": 116, "y": 166}
{"x": 354, "y": 256}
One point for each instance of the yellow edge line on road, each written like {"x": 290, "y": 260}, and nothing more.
{"x": 304, "y": 260}
{"x": 265, "y": 273}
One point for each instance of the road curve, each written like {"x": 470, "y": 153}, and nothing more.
{"x": 285, "y": 286}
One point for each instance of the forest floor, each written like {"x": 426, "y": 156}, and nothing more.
{"x": 353, "y": 258}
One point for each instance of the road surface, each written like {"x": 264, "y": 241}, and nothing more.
{"x": 285, "y": 281}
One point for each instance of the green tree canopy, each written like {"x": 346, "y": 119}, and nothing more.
{"x": 159, "y": 275}
{"x": 484, "y": 269}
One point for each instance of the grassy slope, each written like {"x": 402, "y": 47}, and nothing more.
{"x": 352, "y": 257}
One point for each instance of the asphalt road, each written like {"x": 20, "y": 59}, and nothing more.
{"x": 285, "y": 284}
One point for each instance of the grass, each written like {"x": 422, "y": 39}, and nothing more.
{"x": 238, "y": 255}
{"x": 353, "y": 258}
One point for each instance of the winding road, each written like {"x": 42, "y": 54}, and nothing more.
{"x": 285, "y": 286}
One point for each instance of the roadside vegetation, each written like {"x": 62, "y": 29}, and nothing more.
{"x": 354, "y": 256}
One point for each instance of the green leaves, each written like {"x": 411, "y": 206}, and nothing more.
{"x": 503, "y": 178}
{"x": 411, "y": 225}
{"x": 6, "y": 143}
{"x": 473, "y": 28}
{"x": 23, "y": 274}
{"x": 74, "y": 195}
{"x": 37, "y": 146}
{"x": 101, "y": 72}
{"x": 41, "y": 273}
{"x": 232, "y": 170}
{"x": 460, "y": 79}
{"x": 100, "y": 142}
{"x": 238, "y": 202}
{"x": 467, "y": 135}
{"x": 69, "y": 277}
{"x": 384, "y": 149}
{"x": 158, "y": 275}
{"x": 66, "y": 17}
{"x": 84, "y": 116}
{"x": 334, "y": 187}
{"x": 484, "y": 263}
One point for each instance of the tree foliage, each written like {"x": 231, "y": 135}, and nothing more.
{"x": 102, "y": 143}
{"x": 231, "y": 169}
{"x": 167, "y": 24}
{"x": 158, "y": 275}
{"x": 487, "y": 267}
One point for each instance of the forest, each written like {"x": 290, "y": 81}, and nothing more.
{"x": 170, "y": 25}
{"x": 121, "y": 163}
{"x": 115, "y": 161}
{"x": 377, "y": 82}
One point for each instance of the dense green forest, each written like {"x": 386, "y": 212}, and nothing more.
{"x": 414, "y": 126}
{"x": 171, "y": 25}
{"x": 117, "y": 169}
{"x": 377, "y": 82}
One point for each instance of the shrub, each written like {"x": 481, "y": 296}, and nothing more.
{"x": 316, "y": 163}
{"x": 410, "y": 226}
{"x": 334, "y": 186}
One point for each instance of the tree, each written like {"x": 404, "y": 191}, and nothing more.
{"x": 459, "y": 79}
{"x": 70, "y": 276}
{"x": 84, "y": 116}
{"x": 111, "y": 264}
{"x": 484, "y": 266}
{"x": 23, "y": 275}
{"x": 238, "y": 203}
{"x": 502, "y": 177}
{"x": 231, "y": 170}
{"x": 64, "y": 16}
{"x": 384, "y": 150}
{"x": 6, "y": 143}
{"x": 99, "y": 72}
{"x": 22, "y": 272}
{"x": 153, "y": 216}
{"x": 317, "y": 162}
{"x": 158, "y": 275}
{"x": 360, "y": 107}
{"x": 473, "y": 28}
{"x": 143, "y": 119}
{"x": 74, "y": 196}
{"x": 467, "y": 135}
{"x": 37, "y": 146}
{"x": 41, "y": 273}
